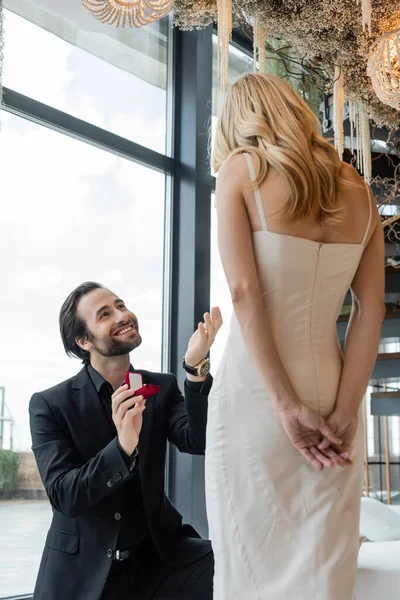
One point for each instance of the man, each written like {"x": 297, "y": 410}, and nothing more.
{"x": 101, "y": 457}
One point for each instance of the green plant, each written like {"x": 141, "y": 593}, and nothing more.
{"x": 9, "y": 463}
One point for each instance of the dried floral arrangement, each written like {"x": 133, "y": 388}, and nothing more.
{"x": 327, "y": 34}
{"x": 333, "y": 41}
{"x": 387, "y": 189}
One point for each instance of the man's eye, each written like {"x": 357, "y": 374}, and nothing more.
{"x": 104, "y": 314}
{"x": 122, "y": 307}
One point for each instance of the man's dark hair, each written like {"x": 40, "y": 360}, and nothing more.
{"x": 71, "y": 326}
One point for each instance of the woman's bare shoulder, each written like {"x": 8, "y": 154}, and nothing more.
{"x": 356, "y": 197}
{"x": 349, "y": 174}
{"x": 352, "y": 187}
{"x": 234, "y": 168}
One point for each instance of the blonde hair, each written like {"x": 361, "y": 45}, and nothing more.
{"x": 264, "y": 115}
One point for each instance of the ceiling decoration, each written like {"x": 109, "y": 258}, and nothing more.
{"x": 384, "y": 68}
{"x": 326, "y": 33}
{"x": 335, "y": 37}
{"x": 135, "y": 13}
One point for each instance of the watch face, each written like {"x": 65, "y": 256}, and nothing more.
{"x": 204, "y": 369}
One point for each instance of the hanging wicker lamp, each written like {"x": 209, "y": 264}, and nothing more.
{"x": 384, "y": 68}
{"x": 135, "y": 13}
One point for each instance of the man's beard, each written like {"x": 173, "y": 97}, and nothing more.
{"x": 110, "y": 348}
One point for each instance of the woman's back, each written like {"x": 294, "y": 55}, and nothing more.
{"x": 351, "y": 220}
{"x": 305, "y": 270}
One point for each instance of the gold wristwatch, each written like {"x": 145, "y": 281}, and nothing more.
{"x": 200, "y": 370}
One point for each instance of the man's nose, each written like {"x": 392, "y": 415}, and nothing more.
{"x": 120, "y": 317}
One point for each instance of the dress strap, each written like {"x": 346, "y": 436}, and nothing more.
{"x": 257, "y": 194}
{"x": 370, "y": 213}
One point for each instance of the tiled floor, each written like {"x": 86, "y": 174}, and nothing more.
{"x": 23, "y": 529}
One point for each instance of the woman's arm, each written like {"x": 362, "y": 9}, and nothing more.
{"x": 238, "y": 261}
{"x": 362, "y": 340}
{"x": 364, "y": 329}
{"x": 302, "y": 425}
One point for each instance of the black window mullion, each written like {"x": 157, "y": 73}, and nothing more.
{"x": 193, "y": 186}
{"x": 50, "y": 117}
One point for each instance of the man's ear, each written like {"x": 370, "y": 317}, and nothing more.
{"x": 83, "y": 343}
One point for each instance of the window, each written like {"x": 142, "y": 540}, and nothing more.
{"x": 72, "y": 213}
{"x": 131, "y": 103}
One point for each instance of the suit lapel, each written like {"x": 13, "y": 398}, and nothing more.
{"x": 89, "y": 405}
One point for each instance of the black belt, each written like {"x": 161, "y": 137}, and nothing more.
{"x": 137, "y": 552}
{"x": 124, "y": 554}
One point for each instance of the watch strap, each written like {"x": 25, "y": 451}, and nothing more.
{"x": 189, "y": 369}
{"x": 197, "y": 369}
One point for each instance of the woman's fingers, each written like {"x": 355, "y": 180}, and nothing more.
{"x": 324, "y": 444}
{"x": 324, "y": 460}
{"x": 336, "y": 458}
{"x": 341, "y": 458}
{"x": 327, "y": 432}
{"x": 311, "y": 459}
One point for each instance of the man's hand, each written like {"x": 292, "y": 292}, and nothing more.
{"x": 306, "y": 429}
{"x": 128, "y": 422}
{"x": 203, "y": 338}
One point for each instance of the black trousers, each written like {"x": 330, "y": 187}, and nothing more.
{"x": 151, "y": 579}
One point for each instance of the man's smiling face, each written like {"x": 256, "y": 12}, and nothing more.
{"x": 112, "y": 329}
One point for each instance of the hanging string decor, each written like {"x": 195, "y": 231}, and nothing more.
{"x": 360, "y": 139}
{"x": 135, "y": 13}
{"x": 366, "y": 165}
{"x": 384, "y": 68}
{"x": 224, "y": 38}
{"x": 366, "y": 14}
{"x": 338, "y": 110}
{"x": 260, "y": 38}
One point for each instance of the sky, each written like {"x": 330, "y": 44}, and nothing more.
{"x": 72, "y": 213}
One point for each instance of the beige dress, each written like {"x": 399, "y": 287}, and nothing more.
{"x": 280, "y": 530}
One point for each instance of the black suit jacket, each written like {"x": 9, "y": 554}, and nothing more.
{"x": 83, "y": 471}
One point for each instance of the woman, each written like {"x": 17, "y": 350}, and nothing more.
{"x": 297, "y": 228}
